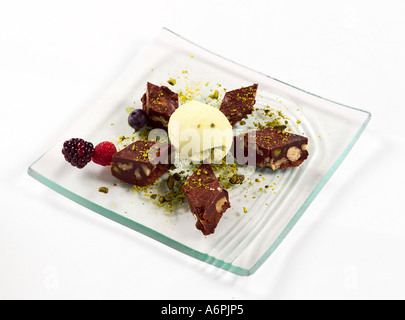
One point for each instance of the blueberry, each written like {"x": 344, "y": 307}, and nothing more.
{"x": 137, "y": 119}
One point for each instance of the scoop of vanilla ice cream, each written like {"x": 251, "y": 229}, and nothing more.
{"x": 200, "y": 132}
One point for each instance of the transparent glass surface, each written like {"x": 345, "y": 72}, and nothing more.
{"x": 263, "y": 209}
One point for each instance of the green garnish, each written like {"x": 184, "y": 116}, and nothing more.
{"x": 214, "y": 95}
{"x": 237, "y": 179}
{"x": 276, "y": 152}
{"x": 103, "y": 189}
{"x": 129, "y": 109}
{"x": 170, "y": 182}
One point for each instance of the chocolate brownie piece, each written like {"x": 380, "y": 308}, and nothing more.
{"x": 270, "y": 148}
{"x": 239, "y": 103}
{"x": 141, "y": 163}
{"x": 159, "y": 103}
{"x": 207, "y": 199}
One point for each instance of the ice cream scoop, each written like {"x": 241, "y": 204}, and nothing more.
{"x": 200, "y": 132}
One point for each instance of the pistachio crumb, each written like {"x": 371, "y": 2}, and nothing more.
{"x": 171, "y": 81}
{"x": 103, "y": 189}
{"x": 214, "y": 95}
{"x": 170, "y": 182}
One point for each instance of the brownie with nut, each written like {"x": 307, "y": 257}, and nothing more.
{"x": 142, "y": 162}
{"x": 270, "y": 148}
{"x": 159, "y": 102}
{"x": 207, "y": 199}
{"x": 239, "y": 103}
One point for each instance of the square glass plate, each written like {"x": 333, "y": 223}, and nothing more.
{"x": 263, "y": 209}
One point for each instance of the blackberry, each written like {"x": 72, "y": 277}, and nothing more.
{"x": 78, "y": 152}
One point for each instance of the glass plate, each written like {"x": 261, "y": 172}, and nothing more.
{"x": 263, "y": 209}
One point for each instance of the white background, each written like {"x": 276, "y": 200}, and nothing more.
{"x": 57, "y": 57}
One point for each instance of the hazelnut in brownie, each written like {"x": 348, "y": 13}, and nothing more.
{"x": 159, "y": 103}
{"x": 239, "y": 103}
{"x": 141, "y": 163}
{"x": 270, "y": 148}
{"x": 207, "y": 199}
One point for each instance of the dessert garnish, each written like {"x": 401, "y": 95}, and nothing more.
{"x": 103, "y": 153}
{"x": 78, "y": 152}
{"x": 103, "y": 189}
{"x": 137, "y": 119}
{"x": 171, "y": 81}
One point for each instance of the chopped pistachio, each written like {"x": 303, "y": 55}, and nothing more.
{"x": 237, "y": 179}
{"x": 280, "y": 127}
{"x": 171, "y": 81}
{"x": 103, "y": 189}
{"x": 129, "y": 109}
{"x": 170, "y": 182}
{"x": 276, "y": 152}
{"x": 233, "y": 179}
{"x": 214, "y": 95}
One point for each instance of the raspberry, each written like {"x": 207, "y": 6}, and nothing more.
{"x": 77, "y": 152}
{"x": 103, "y": 153}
